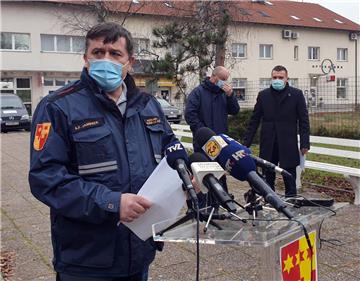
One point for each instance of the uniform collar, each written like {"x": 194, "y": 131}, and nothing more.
{"x": 207, "y": 84}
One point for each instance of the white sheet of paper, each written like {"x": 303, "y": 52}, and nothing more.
{"x": 164, "y": 189}
{"x": 302, "y": 161}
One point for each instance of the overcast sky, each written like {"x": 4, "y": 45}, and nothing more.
{"x": 346, "y": 8}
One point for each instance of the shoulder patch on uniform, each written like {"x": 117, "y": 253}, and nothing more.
{"x": 80, "y": 125}
{"x": 41, "y": 135}
{"x": 66, "y": 91}
{"x": 152, "y": 120}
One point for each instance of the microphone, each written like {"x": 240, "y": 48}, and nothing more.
{"x": 177, "y": 159}
{"x": 235, "y": 159}
{"x": 201, "y": 169}
{"x": 271, "y": 166}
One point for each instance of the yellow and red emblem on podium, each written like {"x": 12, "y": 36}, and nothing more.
{"x": 41, "y": 135}
{"x": 298, "y": 262}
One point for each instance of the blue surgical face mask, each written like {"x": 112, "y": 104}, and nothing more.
{"x": 278, "y": 84}
{"x": 220, "y": 83}
{"x": 107, "y": 74}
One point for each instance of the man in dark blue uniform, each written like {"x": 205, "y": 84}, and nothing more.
{"x": 93, "y": 145}
{"x": 209, "y": 104}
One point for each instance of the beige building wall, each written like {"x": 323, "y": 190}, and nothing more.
{"x": 43, "y": 18}
{"x": 253, "y": 68}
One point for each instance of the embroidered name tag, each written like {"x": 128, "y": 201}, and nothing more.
{"x": 152, "y": 121}
{"x": 87, "y": 124}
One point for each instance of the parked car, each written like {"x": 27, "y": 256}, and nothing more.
{"x": 172, "y": 113}
{"x": 14, "y": 115}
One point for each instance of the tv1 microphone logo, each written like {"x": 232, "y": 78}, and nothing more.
{"x": 175, "y": 147}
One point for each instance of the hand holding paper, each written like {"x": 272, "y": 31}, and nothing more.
{"x": 163, "y": 189}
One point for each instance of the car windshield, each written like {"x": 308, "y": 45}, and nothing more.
{"x": 163, "y": 103}
{"x": 10, "y": 102}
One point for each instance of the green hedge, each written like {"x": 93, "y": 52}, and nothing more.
{"x": 346, "y": 133}
{"x": 238, "y": 125}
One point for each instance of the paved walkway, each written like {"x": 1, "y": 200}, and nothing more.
{"x": 25, "y": 231}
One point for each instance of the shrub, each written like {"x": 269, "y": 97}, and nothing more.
{"x": 238, "y": 125}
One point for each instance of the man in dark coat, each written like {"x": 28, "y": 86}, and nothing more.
{"x": 209, "y": 104}
{"x": 282, "y": 111}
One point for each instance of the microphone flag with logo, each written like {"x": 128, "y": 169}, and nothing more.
{"x": 178, "y": 159}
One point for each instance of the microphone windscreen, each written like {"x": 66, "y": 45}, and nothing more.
{"x": 202, "y": 135}
{"x": 197, "y": 157}
{"x": 175, "y": 151}
{"x": 234, "y": 158}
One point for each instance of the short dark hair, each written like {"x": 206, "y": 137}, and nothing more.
{"x": 111, "y": 32}
{"x": 279, "y": 68}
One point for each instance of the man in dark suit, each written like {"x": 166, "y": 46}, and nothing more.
{"x": 282, "y": 111}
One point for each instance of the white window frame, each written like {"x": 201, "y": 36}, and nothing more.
{"x": 237, "y": 46}
{"x": 264, "y": 83}
{"x": 339, "y": 54}
{"x": 139, "y": 50}
{"x": 293, "y": 82}
{"x": 13, "y": 42}
{"x": 311, "y": 53}
{"x": 53, "y": 79}
{"x": 15, "y": 89}
{"x": 14, "y": 83}
{"x": 343, "y": 85}
{"x": 296, "y": 53}
{"x": 240, "y": 83}
{"x": 71, "y": 37}
{"x": 262, "y": 51}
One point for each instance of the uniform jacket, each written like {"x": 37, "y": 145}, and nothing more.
{"x": 283, "y": 115}
{"x": 208, "y": 106}
{"x": 91, "y": 156}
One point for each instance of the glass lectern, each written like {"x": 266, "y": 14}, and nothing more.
{"x": 269, "y": 233}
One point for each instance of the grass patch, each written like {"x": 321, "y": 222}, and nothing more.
{"x": 321, "y": 177}
{"x": 333, "y": 160}
{"x": 336, "y": 124}
{"x": 186, "y": 139}
{"x": 335, "y": 146}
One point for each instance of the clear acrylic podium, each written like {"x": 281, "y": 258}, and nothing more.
{"x": 268, "y": 237}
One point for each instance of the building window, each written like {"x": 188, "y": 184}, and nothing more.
{"x": 296, "y": 52}
{"x": 264, "y": 83}
{"x": 239, "y": 88}
{"x": 266, "y": 51}
{"x": 342, "y": 54}
{"x": 314, "y": 53}
{"x": 20, "y": 87}
{"x": 141, "y": 46}
{"x": 293, "y": 82}
{"x": 62, "y": 43}
{"x": 50, "y": 81}
{"x": 238, "y": 50}
{"x": 15, "y": 41}
{"x": 341, "y": 84}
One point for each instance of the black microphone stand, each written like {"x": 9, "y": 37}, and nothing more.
{"x": 191, "y": 214}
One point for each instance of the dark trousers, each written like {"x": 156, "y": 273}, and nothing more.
{"x": 143, "y": 276}
{"x": 290, "y": 184}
